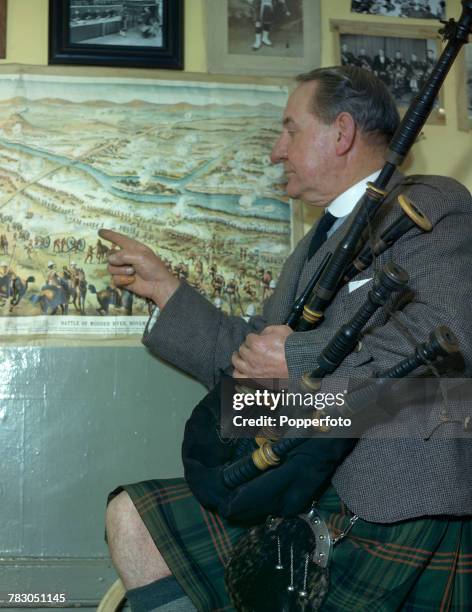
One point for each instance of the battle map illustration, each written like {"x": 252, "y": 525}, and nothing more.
{"x": 183, "y": 167}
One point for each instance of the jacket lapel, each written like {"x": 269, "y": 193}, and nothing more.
{"x": 308, "y": 268}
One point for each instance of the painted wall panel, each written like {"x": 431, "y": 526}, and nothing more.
{"x": 74, "y": 424}
{"x": 11, "y": 474}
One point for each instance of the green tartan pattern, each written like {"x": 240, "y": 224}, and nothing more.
{"x": 418, "y": 565}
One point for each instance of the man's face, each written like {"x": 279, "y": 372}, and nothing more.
{"x": 306, "y": 147}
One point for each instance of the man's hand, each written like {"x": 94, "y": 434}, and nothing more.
{"x": 139, "y": 269}
{"x": 262, "y": 355}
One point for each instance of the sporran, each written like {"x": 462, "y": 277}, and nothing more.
{"x": 281, "y": 566}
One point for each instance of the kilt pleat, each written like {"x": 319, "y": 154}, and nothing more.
{"x": 415, "y": 566}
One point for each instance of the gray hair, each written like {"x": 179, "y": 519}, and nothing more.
{"x": 358, "y": 92}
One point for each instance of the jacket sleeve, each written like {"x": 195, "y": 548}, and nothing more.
{"x": 196, "y": 337}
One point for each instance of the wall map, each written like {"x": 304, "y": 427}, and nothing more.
{"x": 183, "y": 167}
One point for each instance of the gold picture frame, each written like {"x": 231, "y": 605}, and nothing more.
{"x": 409, "y": 53}
{"x": 464, "y": 89}
{"x": 288, "y": 45}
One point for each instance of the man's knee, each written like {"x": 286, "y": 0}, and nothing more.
{"x": 133, "y": 551}
{"x": 122, "y": 517}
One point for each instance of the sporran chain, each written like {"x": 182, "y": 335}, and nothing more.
{"x": 345, "y": 531}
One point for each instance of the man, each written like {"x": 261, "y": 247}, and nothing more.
{"x": 416, "y": 71}
{"x": 147, "y": 23}
{"x": 263, "y": 17}
{"x": 347, "y": 57}
{"x": 412, "y": 496}
{"x": 52, "y": 277}
{"x": 399, "y": 70}
{"x": 363, "y": 60}
{"x": 430, "y": 62}
{"x": 124, "y": 22}
{"x": 381, "y": 66}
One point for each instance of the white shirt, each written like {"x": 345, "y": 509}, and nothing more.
{"x": 344, "y": 204}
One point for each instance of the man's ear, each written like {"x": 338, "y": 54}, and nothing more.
{"x": 345, "y": 130}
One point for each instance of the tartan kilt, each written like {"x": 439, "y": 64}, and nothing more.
{"x": 416, "y": 565}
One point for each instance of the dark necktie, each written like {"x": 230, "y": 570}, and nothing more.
{"x": 321, "y": 233}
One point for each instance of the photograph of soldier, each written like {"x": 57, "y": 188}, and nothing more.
{"x": 403, "y": 64}
{"x": 423, "y": 9}
{"x": 268, "y": 27}
{"x": 116, "y": 22}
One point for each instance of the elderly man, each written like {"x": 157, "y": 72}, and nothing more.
{"x": 412, "y": 497}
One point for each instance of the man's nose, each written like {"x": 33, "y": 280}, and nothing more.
{"x": 279, "y": 150}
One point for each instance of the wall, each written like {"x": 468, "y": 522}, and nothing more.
{"x": 75, "y": 422}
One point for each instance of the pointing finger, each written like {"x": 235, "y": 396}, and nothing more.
{"x": 119, "y": 239}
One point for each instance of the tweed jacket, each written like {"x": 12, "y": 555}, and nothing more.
{"x": 386, "y": 478}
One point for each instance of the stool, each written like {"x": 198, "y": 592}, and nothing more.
{"x": 113, "y": 598}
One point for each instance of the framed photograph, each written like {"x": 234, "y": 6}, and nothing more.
{"x": 126, "y": 33}
{"x": 401, "y": 56}
{"x": 464, "y": 97}
{"x": 263, "y": 37}
{"x": 3, "y": 28}
{"x": 422, "y": 9}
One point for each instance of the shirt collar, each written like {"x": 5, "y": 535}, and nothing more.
{"x": 345, "y": 203}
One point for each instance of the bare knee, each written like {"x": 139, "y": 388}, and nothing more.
{"x": 132, "y": 548}
{"x": 121, "y": 516}
{"x": 124, "y": 525}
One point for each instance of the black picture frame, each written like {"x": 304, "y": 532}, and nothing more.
{"x": 3, "y": 28}
{"x": 68, "y": 22}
